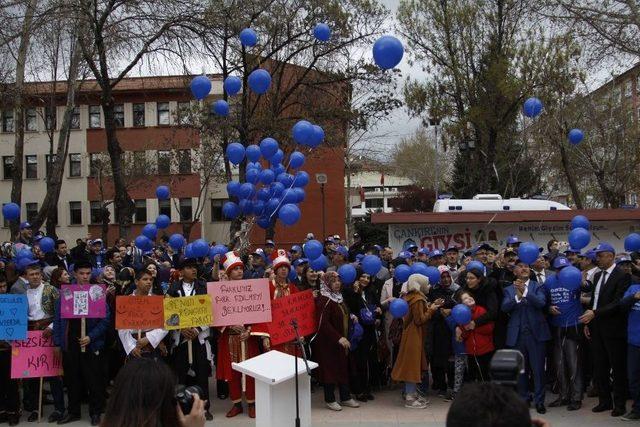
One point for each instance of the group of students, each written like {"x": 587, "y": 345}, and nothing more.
{"x": 359, "y": 346}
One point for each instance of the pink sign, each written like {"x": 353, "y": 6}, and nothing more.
{"x": 240, "y": 302}
{"x": 35, "y": 357}
{"x": 78, "y": 301}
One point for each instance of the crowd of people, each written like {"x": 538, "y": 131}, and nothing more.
{"x": 588, "y": 341}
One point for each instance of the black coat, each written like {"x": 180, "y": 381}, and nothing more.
{"x": 438, "y": 342}
{"x": 610, "y": 319}
{"x": 485, "y": 295}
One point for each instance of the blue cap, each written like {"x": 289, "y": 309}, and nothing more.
{"x": 604, "y": 247}
{"x": 453, "y": 248}
{"x": 623, "y": 258}
{"x": 25, "y": 224}
{"x": 435, "y": 253}
{"x": 342, "y": 251}
{"x": 590, "y": 254}
{"x": 23, "y": 263}
{"x": 300, "y": 261}
{"x": 377, "y": 247}
{"x": 405, "y": 255}
{"x": 411, "y": 246}
{"x": 423, "y": 251}
{"x": 512, "y": 240}
{"x": 571, "y": 250}
{"x": 561, "y": 262}
{"x": 296, "y": 248}
{"x": 359, "y": 257}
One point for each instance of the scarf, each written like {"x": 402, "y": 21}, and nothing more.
{"x": 326, "y": 291}
{"x": 282, "y": 289}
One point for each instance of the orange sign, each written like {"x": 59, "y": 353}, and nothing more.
{"x": 133, "y": 312}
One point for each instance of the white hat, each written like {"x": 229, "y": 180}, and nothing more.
{"x": 280, "y": 258}
{"x": 231, "y": 260}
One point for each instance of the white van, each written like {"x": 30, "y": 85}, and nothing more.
{"x": 495, "y": 203}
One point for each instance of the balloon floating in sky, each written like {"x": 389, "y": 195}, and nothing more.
{"x": 176, "y": 241}
{"x": 150, "y": 231}
{"x": 289, "y": 214}
{"x": 47, "y": 245}
{"x": 11, "y": 211}
{"x": 232, "y": 85}
{"x": 235, "y": 152}
{"x": 579, "y": 238}
{"x": 253, "y": 153}
{"x": 259, "y": 81}
{"x": 576, "y": 136}
{"x": 632, "y": 242}
{"x": 230, "y": 210}
{"x": 322, "y": 32}
{"x": 221, "y": 108}
{"x": 532, "y": 107}
{"x": 296, "y": 160}
{"x": 387, "y": 52}
{"x": 162, "y": 192}
{"x": 580, "y": 221}
{"x": 528, "y": 252}
{"x": 163, "y": 221}
{"x": 200, "y": 87}
{"x": 268, "y": 147}
{"x": 248, "y": 37}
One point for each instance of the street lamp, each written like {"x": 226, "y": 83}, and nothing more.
{"x": 321, "y": 178}
{"x": 435, "y": 122}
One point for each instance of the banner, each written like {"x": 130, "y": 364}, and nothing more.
{"x": 134, "y": 312}
{"x": 240, "y": 302}
{"x": 13, "y": 317}
{"x": 78, "y": 301}
{"x": 187, "y": 312}
{"x": 300, "y": 307}
{"x": 35, "y": 357}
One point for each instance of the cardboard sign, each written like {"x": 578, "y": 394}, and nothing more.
{"x": 78, "y": 301}
{"x": 299, "y": 306}
{"x": 13, "y": 317}
{"x": 240, "y": 302}
{"x": 35, "y": 357}
{"x": 134, "y": 312}
{"x": 187, "y": 312}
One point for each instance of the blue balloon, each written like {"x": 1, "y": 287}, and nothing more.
{"x": 267, "y": 176}
{"x": 259, "y": 81}
{"x": 162, "y": 221}
{"x": 300, "y": 194}
{"x": 319, "y": 263}
{"x": 200, "y": 248}
{"x": 419, "y": 268}
{"x": 253, "y": 153}
{"x": 402, "y": 273}
{"x": 347, "y": 273}
{"x": 289, "y": 214}
{"x": 252, "y": 176}
{"x": 264, "y": 194}
{"x": 371, "y": 265}
{"x": 433, "y": 274}
{"x": 232, "y": 85}
{"x": 579, "y": 238}
{"x": 387, "y": 52}
{"x": 218, "y": 250}
{"x": 580, "y": 221}
{"x": 278, "y": 169}
{"x": 322, "y": 32}
{"x": 289, "y": 196}
{"x": 576, "y": 136}
{"x": 162, "y": 192}
{"x": 264, "y": 222}
{"x": 235, "y": 152}
{"x": 528, "y": 252}
{"x": 11, "y": 211}
{"x": 150, "y": 231}
{"x": 200, "y": 87}
{"x": 230, "y": 210}
{"x": 476, "y": 265}
{"x": 632, "y": 242}
{"x": 277, "y": 158}
{"x": 312, "y": 249}
{"x": 272, "y": 205}
{"x": 258, "y": 207}
{"x": 570, "y": 277}
{"x": 233, "y": 188}
{"x": 461, "y": 314}
{"x": 47, "y": 245}
{"x": 254, "y": 165}
{"x": 399, "y": 307}
{"x": 277, "y": 189}
{"x": 302, "y": 132}
{"x": 317, "y": 136}
{"x": 285, "y": 179}
{"x": 248, "y": 37}
{"x": 532, "y": 107}
{"x": 246, "y": 206}
{"x": 301, "y": 179}
{"x": 143, "y": 243}
{"x": 296, "y": 160}
{"x": 176, "y": 241}
{"x": 221, "y": 108}
{"x": 188, "y": 251}
{"x": 268, "y": 147}
{"x": 246, "y": 190}
{"x": 24, "y": 253}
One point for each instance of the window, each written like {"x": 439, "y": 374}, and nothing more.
{"x": 75, "y": 118}
{"x": 139, "y": 160}
{"x": 95, "y": 164}
{"x": 163, "y": 113}
{"x": 50, "y": 118}
{"x": 7, "y": 166}
{"x": 32, "y": 211}
{"x": 141, "y": 210}
{"x": 75, "y": 213}
{"x": 628, "y": 88}
{"x": 50, "y": 160}
{"x": 164, "y": 207}
{"x": 7, "y": 121}
{"x": 31, "y": 167}
{"x": 94, "y": 116}
{"x": 96, "y": 212}
{"x": 164, "y": 162}
{"x": 186, "y": 211}
{"x": 184, "y": 161}
{"x": 30, "y": 120}
{"x": 118, "y": 115}
{"x": 75, "y": 164}
{"x": 373, "y": 203}
{"x": 138, "y": 115}
{"x": 216, "y": 210}
{"x": 183, "y": 112}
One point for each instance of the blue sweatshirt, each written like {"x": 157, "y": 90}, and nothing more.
{"x": 567, "y": 301}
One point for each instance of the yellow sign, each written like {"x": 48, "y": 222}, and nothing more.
{"x": 187, "y": 312}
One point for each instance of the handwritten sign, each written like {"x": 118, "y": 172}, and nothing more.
{"x": 35, "y": 357}
{"x": 187, "y": 312}
{"x": 13, "y": 317}
{"x": 240, "y": 302}
{"x": 77, "y": 301}
{"x": 134, "y": 312}
{"x": 300, "y": 307}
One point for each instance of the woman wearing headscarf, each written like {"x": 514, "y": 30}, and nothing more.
{"x": 330, "y": 346}
{"x": 412, "y": 360}
{"x": 483, "y": 292}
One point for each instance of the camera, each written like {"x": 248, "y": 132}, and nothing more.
{"x": 506, "y": 367}
{"x": 184, "y": 397}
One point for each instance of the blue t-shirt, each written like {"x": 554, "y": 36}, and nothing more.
{"x": 568, "y": 302}
{"x": 633, "y": 328}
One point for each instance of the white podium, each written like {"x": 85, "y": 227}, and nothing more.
{"x": 274, "y": 373}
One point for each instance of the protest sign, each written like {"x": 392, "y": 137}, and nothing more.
{"x": 187, "y": 312}
{"x": 83, "y": 301}
{"x": 13, "y": 317}
{"x": 300, "y": 307}
{"x": 135, "y": 312}
{"x": 35, "y": 357}
{"x": 240, "y": 302}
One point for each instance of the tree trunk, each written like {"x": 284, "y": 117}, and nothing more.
{"x": 186, "y": 229}
{"x": 575, "y": 193}
{"x": 18, "y": 123}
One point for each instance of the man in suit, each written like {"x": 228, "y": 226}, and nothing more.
{"x": 60, "y": 258}
{"x": 606, "y": 327}
{"x": 528, "y": 331}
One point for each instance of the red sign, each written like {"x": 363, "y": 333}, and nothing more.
{"x": 300, "y": 307}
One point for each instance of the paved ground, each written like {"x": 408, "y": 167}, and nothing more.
{"x": 387, "y": 410}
